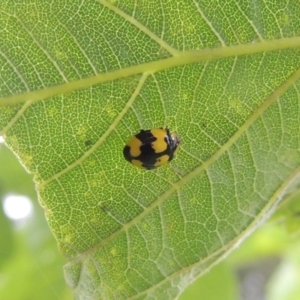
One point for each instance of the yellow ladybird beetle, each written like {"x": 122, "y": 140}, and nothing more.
{"x": 151, "y": 148}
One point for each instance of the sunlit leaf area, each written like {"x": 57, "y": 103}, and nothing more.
{"x": 219, "y": 220}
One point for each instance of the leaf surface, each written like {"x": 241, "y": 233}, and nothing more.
{"x": 79, "y": 78}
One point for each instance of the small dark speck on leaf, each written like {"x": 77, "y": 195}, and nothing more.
{"x": 88, "y": 142}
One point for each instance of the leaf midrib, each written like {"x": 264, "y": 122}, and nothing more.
{"x": 182, "y": 58}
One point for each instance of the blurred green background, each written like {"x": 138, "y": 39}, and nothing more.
{"x": 265, "y": 266}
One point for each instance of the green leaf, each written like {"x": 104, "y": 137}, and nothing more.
{"x": 205, "y": 287}
{"x": 79, "y": 79}
{"x": 289, "y": 213}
